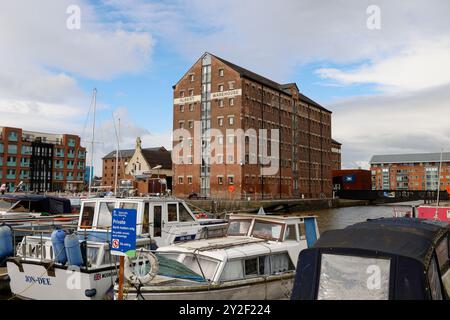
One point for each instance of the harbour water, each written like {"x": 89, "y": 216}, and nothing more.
{"x": 330, "y": 219}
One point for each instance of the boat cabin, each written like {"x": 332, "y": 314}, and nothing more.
{"x": 270, "y": 242}
{"x": 165, "y": 220}
{"x": 381, "y": 259}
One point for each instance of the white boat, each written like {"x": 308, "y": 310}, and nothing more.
{"x": 35, "y": 272}
{"x": 255, "y": 261}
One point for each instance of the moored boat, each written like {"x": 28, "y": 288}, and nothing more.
{"x": 48, "y": 267}
{"x": 255, "y": 261}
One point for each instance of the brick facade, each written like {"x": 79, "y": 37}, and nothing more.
{"x": 42, "y": 161}
{"x": 221, "y": 96}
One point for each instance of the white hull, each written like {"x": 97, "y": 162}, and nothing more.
{"x": 34, "y": 282}
{"x": 254, "y": 290}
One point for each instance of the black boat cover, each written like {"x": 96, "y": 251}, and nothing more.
{"x": 42, "y": 204}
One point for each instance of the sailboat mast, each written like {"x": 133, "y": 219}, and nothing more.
{"x": 94, "y": 97}
{"x": 117, "y": 157}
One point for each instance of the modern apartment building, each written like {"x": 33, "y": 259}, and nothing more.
{"x": 41, "y": 161}
{"x": 221, "y": 111}
{"x": 410, "y": 171}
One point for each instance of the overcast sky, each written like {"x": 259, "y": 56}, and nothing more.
{"x": 388, "y": 88}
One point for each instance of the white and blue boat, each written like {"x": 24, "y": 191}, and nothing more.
{"x": 76, "y": 264}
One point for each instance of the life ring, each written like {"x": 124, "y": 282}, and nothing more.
{"x": 142, "y": 256}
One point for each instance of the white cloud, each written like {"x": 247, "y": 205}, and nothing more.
{"x": 425, "y": 65}
{"x": 392, "y": 123}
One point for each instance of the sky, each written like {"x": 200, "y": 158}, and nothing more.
{"x": 381, "y": 67}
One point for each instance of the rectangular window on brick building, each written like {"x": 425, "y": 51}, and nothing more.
{"x": 231, "y": 121}
{"x": 180, "y": 180}
{"x": 219, "y": 180}
{"x": 231, "y": 101}
{"x": 191, "y": 124}
{"x": 181, "y": 108}
{"x": 220, "y": 103}
{"x": 189, "y": 179}
{"x": 230, "y": 179}
{"x": 191, "y": 93}
{"x": 191, "y": 78}
{"x": 220, "y": 87}
{"x": 191, "y": 107}
{"x": 220, "y": 121}
{"x": 221, "y": 72}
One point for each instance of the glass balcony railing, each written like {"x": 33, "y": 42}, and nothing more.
{"x": 25, "y": 164}
{"x": 70, "y": 166}
{"x": 71, "y": 143}
{"x": 24, "y": 176}
{"x": 12, "y": 137}
{"x": 69, "y": 178}
{"x": 71, "y": 155}
{"x": 11, "y": 176}
{"x": 59, "y": 177}
{"x": 59, "y": 165}
{"x": 81, "y": 155}
{"x": 11, "y": 163}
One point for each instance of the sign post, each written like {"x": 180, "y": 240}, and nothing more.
{"x": 123, "y": 239}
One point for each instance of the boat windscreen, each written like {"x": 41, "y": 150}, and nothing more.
{"x": 175, "y": 269}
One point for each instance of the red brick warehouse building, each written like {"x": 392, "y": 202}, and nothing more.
{"x": 215, "y": 94}
{"x": 41, "y": 161}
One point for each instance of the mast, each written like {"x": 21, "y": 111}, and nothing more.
{"x": 94, "y": 99}
{"x": 117, "y": 156}
{"x": 436, "y": 216}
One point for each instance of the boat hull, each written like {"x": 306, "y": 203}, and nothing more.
{"x": 429, "y": 212}
{"x": 271, "y": 289}
{"x": 37, "y": 281}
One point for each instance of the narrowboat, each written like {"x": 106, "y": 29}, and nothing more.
{"x": 381, "y": 259}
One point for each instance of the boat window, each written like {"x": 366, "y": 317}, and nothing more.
{"x": 251, "y": 267}
{"x": 172, "y": 212}
{"x": 353, "y": 278}
{"x": 233, "y": 270}
{"x": 146, "y": 221}
{"x": 433, "y": 280}
{"x": 281, "y": 262}
{"x": 157, "y": 216}
{"x": 199, "y": 264}
{"x": 92, "y": 255}
{"x": 238, "y": 227}
{"x": 264, "y": 265}
{"x": 4, "y": 205}
{"x": 105, "y": 215}
{"x": 267, "y": 230}
{"x": 87, "y": 217}
{"x": 185, "y": 216}
{"x": 128, "y": 205}
{"x": 291, "y": 232}
{"x": 302, "y": 230}
{"x": 442, "y": 252}
{"x": 21, "y": 206}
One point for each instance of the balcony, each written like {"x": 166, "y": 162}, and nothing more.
{"x": 59, "y": 165}
{"x": 71, "y": 155}
{"x": 24, "y": 176}
{"x": 59, "y": 177}
{"x": 12, "y": 149}
{"x": 26, "y": 151}
{"x": 12, "y": 137}
{"x": 59, "y": 153}
{"x": 11, "y": 163}
{"x": 24, "y": 164}
{"x": 69, "y": 178}
{"x": 11, "y": 176}
{"x": 70, "y": 166}
{"x": 71, "y": 143}
{"x": 81, "y": 155}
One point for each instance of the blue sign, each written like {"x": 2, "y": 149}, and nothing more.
{"x": 123, "y": 232}
{"x": 350, "y": 178}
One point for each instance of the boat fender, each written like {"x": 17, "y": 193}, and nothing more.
{"x": 6, "y": 242}
{"x": 59, "y": 249}
{"x": 73, "y": 250}
{"x": 142, "y": 256}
